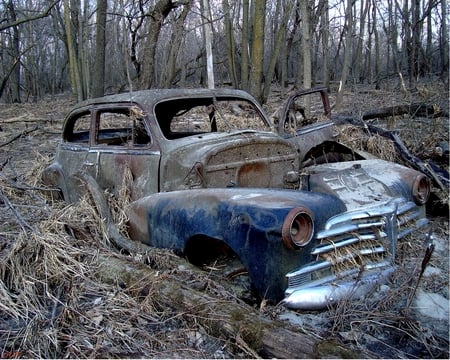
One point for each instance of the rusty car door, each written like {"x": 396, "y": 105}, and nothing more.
{"x": 123, "y": 155}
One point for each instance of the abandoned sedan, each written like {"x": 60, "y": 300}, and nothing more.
{"x": 311, "y": 221}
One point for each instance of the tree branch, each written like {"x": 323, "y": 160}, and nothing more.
{"x": 31, "y": 18}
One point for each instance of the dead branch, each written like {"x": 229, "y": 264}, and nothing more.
{"x": 25, "y": 132}
{"x": 24, "y": 118}
{"x": 20, "y": 220}
{"x": 23, "y": 187}
{"x": 45, "y": 12}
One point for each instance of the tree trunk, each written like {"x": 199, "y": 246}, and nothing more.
{"x": 347, "y": 53}
{"x": 283, "y": 59}
{"x": 6, "y": 76}
{"x": 280, "y": 35}
{"x": 245, "y": 57}
{"x": 15, "y": 52}
{"x": 428, "y": 58}
{"x": 84, "y": 51}
{"x": 170, "y": 72}
{"x": 325, "y": 28}
{"x": 147, "y": 67}
{"x": 306, "y": 45}
{"x": 358, "y": 57}
{"x": 444, "y": 41}
{"x": 290, "y": 41}
{"x": 377, "y": 46}
{"x": 415, "y": 44}
{"x": 98, "y": 77}
{"x": 257, "y": 68}
{"x": 413, "y": 110}
{"x": 75, "y": 77}
{"x": 392, "y": 35}
{"x": 231, "y": 56}
{"x": 207, "y": 32}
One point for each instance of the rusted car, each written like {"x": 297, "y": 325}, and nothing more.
{"x": 311, "y": 220}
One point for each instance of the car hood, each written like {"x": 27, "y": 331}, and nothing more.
{"x": 241, "y": 159}
{"x": 361, "y": 183}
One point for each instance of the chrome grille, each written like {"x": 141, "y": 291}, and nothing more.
{"x": 358, "y": 241}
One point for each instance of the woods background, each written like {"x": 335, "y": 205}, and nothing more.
{"x": 93, "y": 47}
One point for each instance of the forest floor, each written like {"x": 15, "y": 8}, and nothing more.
{"x": 53, "y": 304}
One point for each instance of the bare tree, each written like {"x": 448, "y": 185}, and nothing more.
{"x": 306, "y": 42}
{"x": 231, "y": 53}
{"x": 161, "y": 44}
{"x": 348, "y": 28}
{"x": 98, "y": 76}
{"x": 174, "y": 46}
{"x": 15, "y": 54}
{"x": 443, "y": 41}
{"x": 207, "y": 33}
{"x": 40, "y": 15}
{"x": 374, "y": 30}
{"x": 71, "y": 12}
{"x": 157, "y": 14}
{"x": 325, "y": 31}
{"x": 257, "y": 54}
{"x": 245, "y": 36}
{"x": 279, "y": 36}
{"x": 358, "y": 58}
{"x": 413, "y": 43}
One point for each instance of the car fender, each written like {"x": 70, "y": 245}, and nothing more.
{"x": 53, "y": 176}
{"x": 247, "y": 220}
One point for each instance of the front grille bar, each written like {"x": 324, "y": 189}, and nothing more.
{"x": 324, "y": 248}
{"x": 370, "y": 234}
{"x": 295, "y": 281}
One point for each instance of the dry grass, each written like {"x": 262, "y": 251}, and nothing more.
{"x": 118, "y": 204}
{"x": 386, "y": 319}
{"x": 358, "y": 139}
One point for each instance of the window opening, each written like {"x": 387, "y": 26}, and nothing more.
{"x": 122, "y": 128}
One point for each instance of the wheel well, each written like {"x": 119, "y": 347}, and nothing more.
{"x": 202, "y": 249}
{"x": 328, "y": 152}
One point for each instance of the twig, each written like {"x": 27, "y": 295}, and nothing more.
{"x": 425, "y": 261}
{"x": 25, "y": 132}
{"x": 23, "y": 224}
{"x": 27, "y": 188}
{"x": 24, "y": 187}
{"x": 435, "y": 177}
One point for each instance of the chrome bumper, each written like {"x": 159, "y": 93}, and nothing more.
{"x": 354, "y": 253}
{"x": 322, "y": 296}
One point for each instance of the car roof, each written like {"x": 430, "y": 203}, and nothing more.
{"x": 152, "y": 96}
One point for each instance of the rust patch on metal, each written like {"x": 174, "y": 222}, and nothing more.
{"x": 254, "y": 174}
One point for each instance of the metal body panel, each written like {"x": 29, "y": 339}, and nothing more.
{"x": 239, "y": 159}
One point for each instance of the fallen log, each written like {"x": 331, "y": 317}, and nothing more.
{"x": 414, "y": 110}
{"x": 226, "y": 319}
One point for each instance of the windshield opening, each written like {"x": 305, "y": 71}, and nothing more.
{"x": 186, "y": 117}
